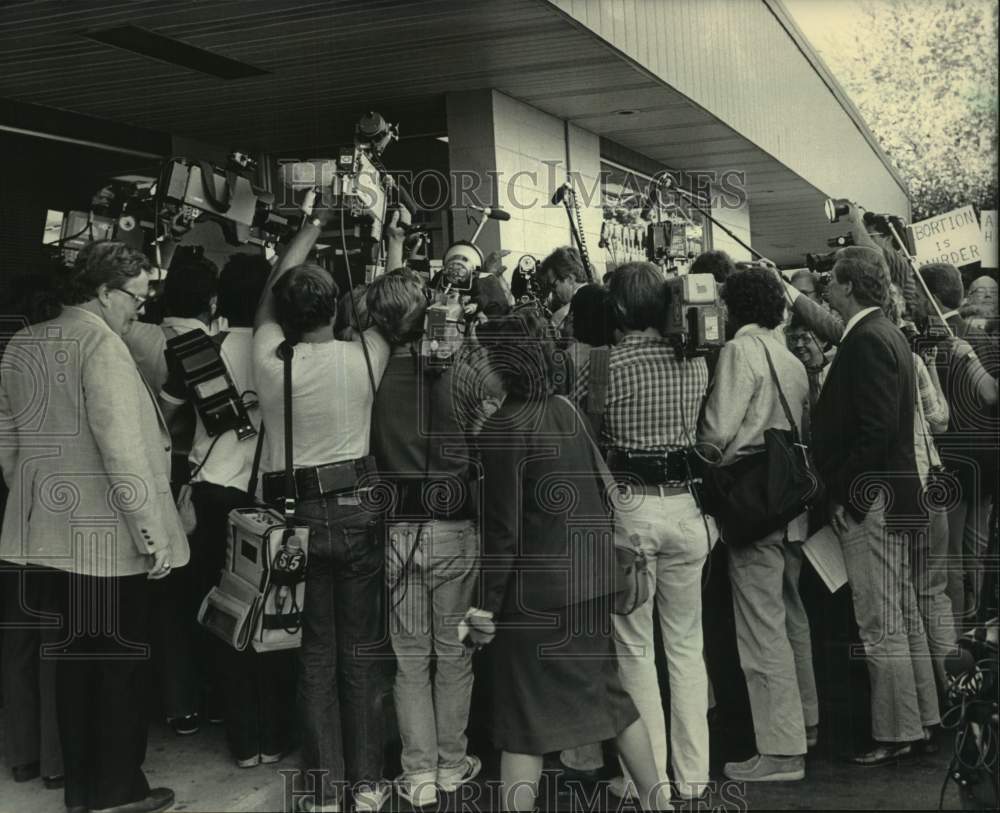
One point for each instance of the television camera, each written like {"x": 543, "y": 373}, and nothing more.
{"x": 899, "y": 239}
{"x": 667, "y": 241}
{"x": 445, "y": 321}
{"x": 695, "y": 321}
{"x": 192, "y": 191}
{"x": 156, "y": 215}
{"x": 891, "y": 227}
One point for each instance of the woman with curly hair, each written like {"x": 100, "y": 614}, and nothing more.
{"x": 548, "y": 561}
{"x": 772, "y": 630}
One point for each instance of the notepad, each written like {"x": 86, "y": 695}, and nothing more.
{"x": 825, "y": 554}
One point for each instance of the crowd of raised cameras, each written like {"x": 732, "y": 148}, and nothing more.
{"x": 455, "y": 440}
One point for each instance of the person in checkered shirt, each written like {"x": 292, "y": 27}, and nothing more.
{"x": 652, "y": 404}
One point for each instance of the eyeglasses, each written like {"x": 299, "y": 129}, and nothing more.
{"x": 140, "y": 301}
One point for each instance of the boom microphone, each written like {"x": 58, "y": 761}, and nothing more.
{"x": 494, "y": 214}
{"x": 560, "y": 193}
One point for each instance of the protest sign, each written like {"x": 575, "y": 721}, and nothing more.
{"x": 953, "y": 238}
{"x": 988, "y": 226}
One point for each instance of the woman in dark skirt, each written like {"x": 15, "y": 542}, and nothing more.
{"x": 548, "y": 565}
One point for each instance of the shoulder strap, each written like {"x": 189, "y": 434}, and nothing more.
{"x": 255, "y": 468}
{"x": 604, "y": 475}
{"x": 597, "y": 390}
{"x": 286, "y": 351}
{"x": 781, "y": 394}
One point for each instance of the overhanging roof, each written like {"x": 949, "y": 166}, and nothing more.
{"x": 329, "y": 61}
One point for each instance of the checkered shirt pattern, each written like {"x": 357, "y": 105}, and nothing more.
{"x": 653, "y": 399}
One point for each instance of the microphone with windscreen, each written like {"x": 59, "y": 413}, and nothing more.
{"x": 560, "y": 194}
{"x": 493, "y": 214}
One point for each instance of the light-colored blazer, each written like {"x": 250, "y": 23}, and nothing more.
{"x": 85, "y": 453}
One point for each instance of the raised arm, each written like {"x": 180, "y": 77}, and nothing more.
{"x": 298, "y": 252}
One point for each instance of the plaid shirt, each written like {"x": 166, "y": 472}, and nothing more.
{"x": 653, "y": 399}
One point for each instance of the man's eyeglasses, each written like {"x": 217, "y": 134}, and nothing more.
{"x": 140, "y": 301}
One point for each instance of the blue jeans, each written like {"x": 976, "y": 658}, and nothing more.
{"x": 432, "y": 571}
{"x": 341, "y": 682}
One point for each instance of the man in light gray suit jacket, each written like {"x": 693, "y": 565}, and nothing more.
{"x": 86, "y": 453}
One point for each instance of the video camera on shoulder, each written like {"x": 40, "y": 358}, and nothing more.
{"x": 215, "y": 397}
{"x": 197, "y": 190}
{"x": 695, "y": 320}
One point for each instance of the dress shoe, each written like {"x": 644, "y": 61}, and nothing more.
{"x": 884, "y": 753}
{"x": 54, "y": 782}
{"x": 926, "y": 744}
{"x": 184, "y": 726}
{"x": 158, "y": 800}
{"x": 767, "y": 768}
{"x": 25, "y": 773}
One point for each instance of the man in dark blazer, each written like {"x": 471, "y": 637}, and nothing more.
{"x": 863, "y": 447}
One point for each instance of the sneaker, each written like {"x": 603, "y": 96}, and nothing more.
{"x": 617, "y": 786}
{"x": 184, "y": 726}
{"x": 451, "y": 779}
{"x": 419, "y": 793}
{"x": 812, "y": 736}
{"x": 369, "y": 797}
{"x": 766, "y": 768}
{"x": 270, "y": 759}
{"x": 249, "y": 762}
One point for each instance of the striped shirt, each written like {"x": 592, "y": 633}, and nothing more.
{"x": 653, "y": 399}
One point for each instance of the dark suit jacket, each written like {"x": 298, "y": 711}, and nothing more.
{"x": 546, "y": 532}
{"x": 863, "y": 421}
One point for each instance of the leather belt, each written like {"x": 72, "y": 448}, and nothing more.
{"x": 654, "y": 469}
{"x": 313, "y": 482}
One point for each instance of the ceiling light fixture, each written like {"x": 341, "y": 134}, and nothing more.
{"x": 166, "y": 49}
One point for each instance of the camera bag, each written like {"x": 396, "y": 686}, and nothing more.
{"x": 260, "y": 597}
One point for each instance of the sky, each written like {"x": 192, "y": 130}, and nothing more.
{"x": 818, "y": 18}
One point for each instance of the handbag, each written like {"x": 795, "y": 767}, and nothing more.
{"x": 260, "y": 598}
{"x": 631, "y": 577}
{"x": 762, "y": 492}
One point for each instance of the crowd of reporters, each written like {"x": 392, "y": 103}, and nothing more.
{"x": 454, "y": 501}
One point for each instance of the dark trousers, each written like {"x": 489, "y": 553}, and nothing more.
{"x": 257, "y": 690}
{"x": 28, "y": 680}
{"x": 179, "y": 661}
{"x": 102, "y": 661}
{"x": 344, "y": 644}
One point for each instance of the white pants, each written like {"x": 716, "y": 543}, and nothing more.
{"x": 674, "y": 537}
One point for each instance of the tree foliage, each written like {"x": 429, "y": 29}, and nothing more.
{"x": 924, "y": 75}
